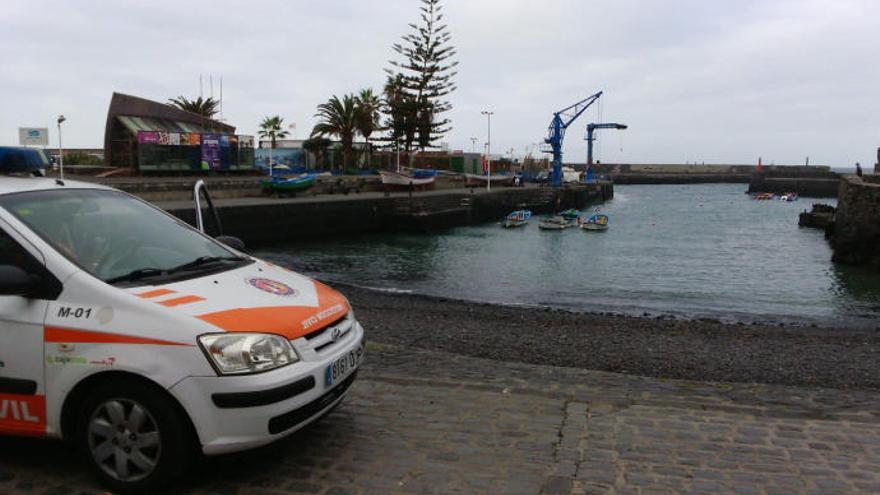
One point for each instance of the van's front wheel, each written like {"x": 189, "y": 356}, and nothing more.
{"x": 134, "y": 438}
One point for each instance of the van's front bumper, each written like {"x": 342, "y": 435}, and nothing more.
{"x": 233, "y": 413}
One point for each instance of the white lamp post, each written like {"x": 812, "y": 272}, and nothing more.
{"x": 473, "y": 144}
{"x": 271, "y": 138}
{"x": 488, "y": 115}
{"x": 61, "y": 119}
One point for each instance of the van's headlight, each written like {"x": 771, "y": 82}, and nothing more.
{"x": 237, "y": 353}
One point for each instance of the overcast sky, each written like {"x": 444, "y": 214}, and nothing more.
{"x": 714, "y": 81}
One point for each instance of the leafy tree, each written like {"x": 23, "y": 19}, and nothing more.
{"x": 368, "y": 116}
{"x": 317, "y": 146}
{"x": 206, "y": 107}
{"x": 401, "y": 110}
{"x": 270, "y": 128}
{"x": 338, "y": 118}
{"x": 425, "y": 74}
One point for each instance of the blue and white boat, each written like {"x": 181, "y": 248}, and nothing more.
{"x": 516, "y": 218}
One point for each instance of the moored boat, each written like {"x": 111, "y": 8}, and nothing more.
{"x": 596, "y": 222}
{"x": 394, "y": 180}
{"x": 516, "y": 218}
{"x": 555, "y": 223}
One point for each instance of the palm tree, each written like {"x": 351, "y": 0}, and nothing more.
{"x": 368, "y": 108}
{"x": 206, "y": 107}
{"x": 270, "y": 128}
{"x": 338, "y": 118}
{"x": 318, "y": 147}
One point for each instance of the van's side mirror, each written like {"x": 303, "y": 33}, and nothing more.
{"x": 233, "y": 242}
{"x": 16, "y": 282}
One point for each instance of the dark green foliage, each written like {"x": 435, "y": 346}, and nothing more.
{"x": 271, "y": 127}
{"x": 206, "y": 107}
{"x": 420, "y": 81}
{"x": 339, "y": 117}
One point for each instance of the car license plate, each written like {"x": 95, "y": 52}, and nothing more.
{"x": 339, "y": 369}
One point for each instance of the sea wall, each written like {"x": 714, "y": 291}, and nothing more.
{"x": 625, "y": 173}
{"x": 807, "y": 187}
{"x": 270, "y": 220}
{"x": 855, "y": 237}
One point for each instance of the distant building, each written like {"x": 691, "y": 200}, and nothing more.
{"x": 149, "y": 136}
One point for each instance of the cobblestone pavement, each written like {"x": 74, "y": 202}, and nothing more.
{"x": 428, "y": 422}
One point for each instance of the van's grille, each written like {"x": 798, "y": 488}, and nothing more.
{"x": 317, "y": 333}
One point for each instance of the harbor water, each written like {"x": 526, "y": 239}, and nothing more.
{"x": 695, "y": 251}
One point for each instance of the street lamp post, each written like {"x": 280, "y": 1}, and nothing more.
{"x": 473, "y": 144}
{"x": 271, "y": 138}
{"x": 61, "y": 119}
{"x": 488, "y": 115}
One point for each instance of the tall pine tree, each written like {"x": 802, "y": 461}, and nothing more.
{"x": 424, "y": 77}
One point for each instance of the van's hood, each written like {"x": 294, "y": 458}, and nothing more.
{"x": 259, "y": 297}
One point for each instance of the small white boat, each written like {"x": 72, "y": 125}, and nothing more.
{"x": 474, "y": 180}
{"x": 516, "y": 218}
{"x": 393, "y": 180}
{"x": 555, "y": 223}
{"x": 596, "y": 222}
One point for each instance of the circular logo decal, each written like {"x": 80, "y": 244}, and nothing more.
{"x": 272, "y": 286}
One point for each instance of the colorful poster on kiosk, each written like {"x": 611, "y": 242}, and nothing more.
{"x": 210, "y": 151}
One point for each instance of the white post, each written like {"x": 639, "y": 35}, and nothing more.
{"x": 270, "y": 157}
{"x": 60, "y": 147}
{"x": 397, "y": 146}
{"x": 488, "y": 115}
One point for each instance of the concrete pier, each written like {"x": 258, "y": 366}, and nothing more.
{"x": 855, "y": 236}
{"x": 268, "y": 220}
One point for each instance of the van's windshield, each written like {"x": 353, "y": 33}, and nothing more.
{"x": 116, "y": 237}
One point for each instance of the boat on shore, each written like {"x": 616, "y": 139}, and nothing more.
{"x": 288, "y": 184}
{"x": 474, "y": 180}
{"x": 403, "y": 182}
{"x": 516, "y": 218}
{"x": 557, "y": 222}
{"x": 596, "y": 222}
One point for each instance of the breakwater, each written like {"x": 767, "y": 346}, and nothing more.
{"x": 270, "y": 220}
{"x": 855, "y": 235}
{"x": 808, "y": 181}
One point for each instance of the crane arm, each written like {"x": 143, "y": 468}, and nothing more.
{"x": 572, "y": 112}
{"x": 593, "y": 127}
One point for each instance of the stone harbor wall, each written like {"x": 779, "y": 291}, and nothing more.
{"x": 856, "y": 234}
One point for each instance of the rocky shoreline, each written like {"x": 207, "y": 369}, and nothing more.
{"x": 657, "y": 347}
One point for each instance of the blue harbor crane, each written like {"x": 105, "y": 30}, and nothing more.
{"x": 556, "y": 133}
{"x": 590, "y": 129}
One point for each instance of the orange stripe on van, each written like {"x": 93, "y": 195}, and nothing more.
{"x": 177, "y": 301}
{"x": 155, "y": 293}
{"x": 289, "y": 321}
{"x": 68, "y": 335}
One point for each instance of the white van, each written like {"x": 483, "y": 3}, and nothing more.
{"x": 143, "y": 340}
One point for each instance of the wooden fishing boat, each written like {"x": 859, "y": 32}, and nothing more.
{"x": 557, "y": 222}
{"x": 396, "y": 181}
{"x": 288, "y": 184}
{"x": 516, "y": 218}
{"x": 474, "y": 180}
{"x": 596, "y": 222}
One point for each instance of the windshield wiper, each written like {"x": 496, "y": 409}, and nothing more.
{"x": 138, "y": 274}
{"x": 202, "y": 261}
